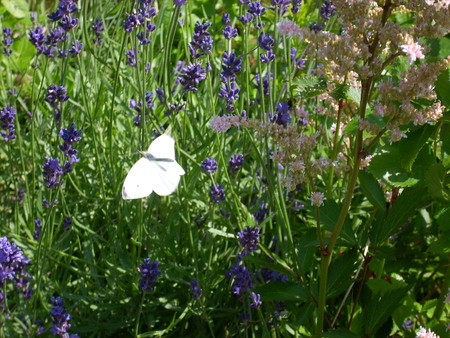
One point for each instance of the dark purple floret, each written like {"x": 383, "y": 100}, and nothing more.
{"x": 66, "y": 224}
{"x": 37, "y": 38}
{"x": 246, "y": 18}
{"x": 51, "y": 172}
{"x": 248, "y": 239}
{"x": 224, "y": 213}
{"x": 76, "y": 48}
{"x": 20, "y": 194}
{"x": 217, "y": 194}
{"x": 68, "y": 22}
{"x": 55, "y": 16}
{"x": 191, "y": 76}
{"x": 61, "y": 53}
{"x": 297, "y": 62}
{"x": 56, "y": 36}
{"x": 38, "y": 227}
{"x": 282, "y": 116}
{"x": 7, "y": 117}
{"x": 229, "y": 32}
{"x": 232, "y": 65}
{"x": 12, "y": 261}
{"x": 315, "y": 27}
{"x": 296, "y": 6}
{"x": 255, "y": 8}
{"x": 201, "y": 40}
{"x": 143, "y": 38}
{"x": 69, "y": 136}
{"x": 270, "y": 276}
{"x": 149, "y": 272}
{"x": 209, "y": 165}
{"x": 131, "y": 57}
{"x": 255, "y": 300}
{"x": 196, "y": 291}
{"x": 230, "y": 93}
{"x": 236, "y": 162}
{"x": 98, "y": 28}
{"x": 161, "y": 96}
{"x": 327, "y": 10}
{"x": 268, "y": 57}
{"x": 132, "y": 21}
{"x": 147, "y": 12}
{"x": 260, "y": 215}
{"x": 60, "y": 317}
{"x": 265, "y": 81}
{"x": 7, "y": 41}
{"x": 408, "y": 324}
{"x": 265, "y": 41}
{"x": 56, "y": 95}
{"x": 179, "y": 3}
{"x": 242, "y": 279}
{"x": 226, "y": 19}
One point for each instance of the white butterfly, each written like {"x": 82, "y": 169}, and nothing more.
{"x": 157, "y": 171}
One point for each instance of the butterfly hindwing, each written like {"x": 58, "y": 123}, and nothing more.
{"x": 138, "y": 182}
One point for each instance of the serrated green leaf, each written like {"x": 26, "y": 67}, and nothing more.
{"x": 372, "y": 190}
{"x": 282, "y": 291}
{"x": 354, "y": 94}
{"x": 443, "y": 87}
{"x": 440, "y": 247}
{"x": 386, "y": 167}
{"x": 381, "y": 307}
{"x": 340, "y": 273}
{"x": 444, "y": 221}
{"x": 340, "y": 92}
{"x": 410, "y": 147}
{"x": 309, "y": 86}
{"x": 406, "y": 205}
{"x": 17, "y": 8}
{"x": 434, "y": 180}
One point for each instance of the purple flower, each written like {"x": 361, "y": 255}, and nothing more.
{"x": 236, "y": 162}
{"x": 261, "y": 213}
{"x": 12, "y": 261}
{"x": 76, "y": 48}
{"x": 161, "y": 96}
{"x": 232, "y": 65}
{"x": 296, "y": 6}
{"x": 66, "y": 223}
{"x": 408, "y": 324}
{"x": 226, "y": 19}
{"x": 132, "y": 21}
{"x": 229, "y": 32}
{"x": 60, "y": 317}
{"x": 196, "y": 292}
{"x": 268, "y": 57}
{"x": 97, "y": 27}
{"x": 55, "y": 36}
{"x": 7, "y": 41}
{"x": 51, "y": 172}
{"x": 56, "y": 95}
{"x": 282, "y": 116}
{"x": 179, "y": 3}
{"x": 246, "y": 18}
{"x": 191, "y": 76}
{"x": 209, "y": 165}
{"x": 217, "y": 194}
{"x": 315, "y": 27}
{"x": 37, "y": 38}
{"x": 327, "y": 10}
{"x": 249, "y": 240}
{"x": 7, "y": 117}
{"x": 38, "y": 227}
{"x": 256, "y": 9}
{"x": 265, "y": 41}
{"x": 255, "y": 300}
{"x": 143, "y": 38}
{"x": 131, "y": 56}
{"x": 138, "y": 107}
{"x": 68, "y": 22}
{"x": 270, "y": 276}
{"x": 201, "y": 40}
{"x": 149, "y": 272}
{"x": 265, "y": 83}
{"x": 229, "y": 92}
{"x": 20, "y": 194}
{"x": 242, "y": 279}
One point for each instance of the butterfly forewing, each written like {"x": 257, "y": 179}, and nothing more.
{"x": 138, "y": 183}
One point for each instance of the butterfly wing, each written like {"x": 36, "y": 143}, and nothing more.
{"x": 138, "y": 182}
{"x": 167, "y": 177}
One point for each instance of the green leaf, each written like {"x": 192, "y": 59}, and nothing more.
{"x": 17, "y": 8}
{"x": 372, "y": 190}
{"x": 339, "y": 333}
{"x": 282, "y": 291}
{"x": 354, "y": 94}
{"x": 406, "y": 205}
{"x": 380, "y": 307}
{"x": 340, "y": 92}
{"x": 434, "y": 180}
{"x": 329, "y": 213}
{"x": 340, "y": 273}
{"x": 410, "y": 147}
{"x": 352, "y": 127}
{"x": 307, "y": 250}
{"x": 387, "y": 167}
{"x": 443, "y": 87}
{"x": 309, "y": 86}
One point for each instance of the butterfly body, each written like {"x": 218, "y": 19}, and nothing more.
{"x": 156, "y": 171}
